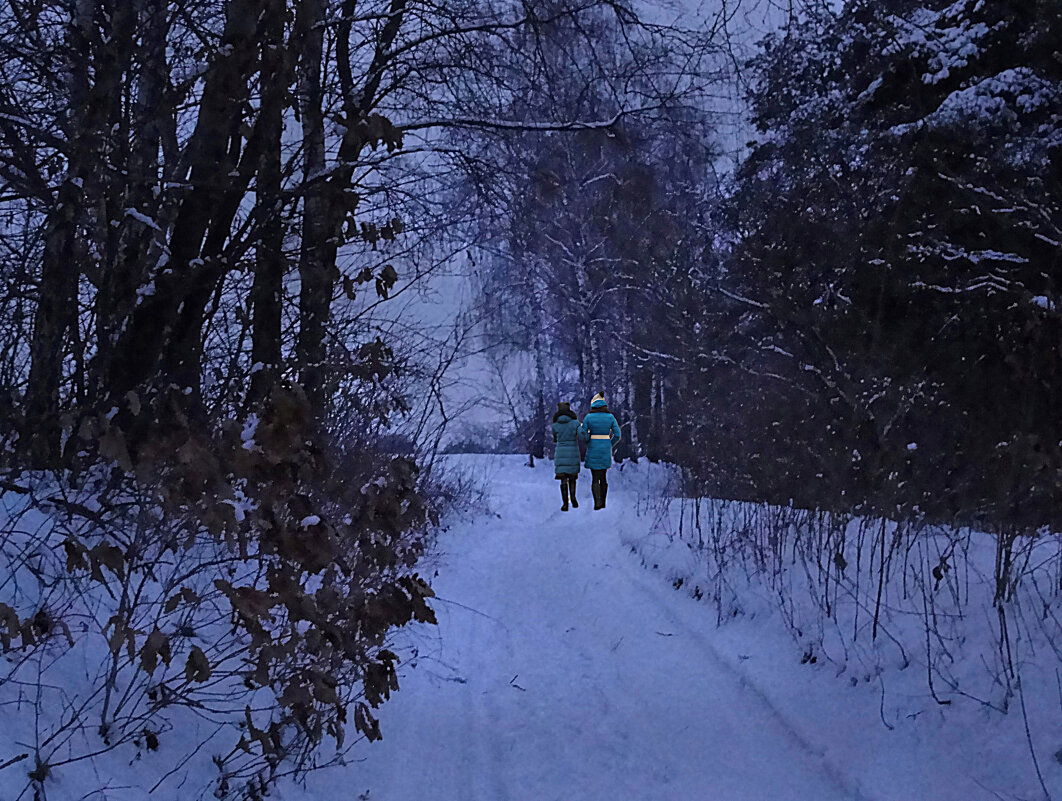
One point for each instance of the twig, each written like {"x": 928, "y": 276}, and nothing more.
{"x": 14, "y": 760}
{"x": 1028, "y": 737}
{"x": 881, "y": 709}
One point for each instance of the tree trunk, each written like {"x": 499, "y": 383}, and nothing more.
{"x": 657, "y": 416}
{"x": 266, "y": 292}
{"x": 642, "y": 408}
{"x": 55, "y": 315}
{"x": 538, "y": 424}
{"x": 316, "y": 274}
{"x": 628, "y": 447}
{"x": 337, "y": 200}
{"x": 126, "y": 239}
{"x": 163, "y": 334}
{"x": 56, "y": 311}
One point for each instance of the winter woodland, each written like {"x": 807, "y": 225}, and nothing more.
{"x": 291, "y": 288}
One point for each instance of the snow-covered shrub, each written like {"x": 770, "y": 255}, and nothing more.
{"x": 209, "y": 608}
{"x": 947, "y": 618}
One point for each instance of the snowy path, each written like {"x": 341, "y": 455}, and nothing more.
{"x": 562, "y": 670}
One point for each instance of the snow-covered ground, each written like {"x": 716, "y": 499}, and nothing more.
{"x": 563, "y": 669}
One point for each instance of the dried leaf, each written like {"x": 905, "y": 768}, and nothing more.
{"x": 110, "y": 557}
{"x": 156, "y": 646}
{"x": 365, "y": 723}
{"x": 197, "y": 668}
{"x": 325, "y": 691}
{"x": 113, "y": 447}
{"x": 75, "y": 554}
{"x": 118, "y": 634}
{"x": 348, "y": 288}
{"x": 86, "y": 431}
{"x": 66, "y": 633}
{"x": 12, "y": 627}
{"x": 186, "y": 594}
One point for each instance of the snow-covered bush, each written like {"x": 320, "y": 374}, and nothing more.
{"x": 949, "y": 620}
{"x": 205, "y": 611}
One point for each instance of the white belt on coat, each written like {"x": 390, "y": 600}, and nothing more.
{"x": 600, "y": 436}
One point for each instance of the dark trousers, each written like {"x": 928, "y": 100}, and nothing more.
{"x": 599, "y": 487}
{"x": 568, "y": 489}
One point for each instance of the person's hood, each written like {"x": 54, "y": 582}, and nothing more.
{"x": 562, "y": 414}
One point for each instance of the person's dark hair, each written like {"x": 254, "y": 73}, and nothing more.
{"x": 564, "y": 410}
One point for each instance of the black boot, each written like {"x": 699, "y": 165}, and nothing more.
{"x": 604, "y": 493}
{"x": 564, "y": 493}
{"x": 571, "y": 493}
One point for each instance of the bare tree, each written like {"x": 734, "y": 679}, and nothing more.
{"x": 210, "y": 201}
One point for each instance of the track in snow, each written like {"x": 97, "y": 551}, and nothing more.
{"x": 561, "y": 670}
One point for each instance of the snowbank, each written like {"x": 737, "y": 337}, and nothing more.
{"x": 931, "y": 689}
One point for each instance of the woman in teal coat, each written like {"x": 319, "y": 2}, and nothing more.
{"x": 566, "y": 456}
{"x": 602, "y": 432}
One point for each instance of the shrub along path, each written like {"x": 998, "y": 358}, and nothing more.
{"x": 562, "y": 670}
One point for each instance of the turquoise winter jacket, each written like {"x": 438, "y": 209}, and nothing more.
{"x": 599, "y": 422}
{"x": 566, "y": 435}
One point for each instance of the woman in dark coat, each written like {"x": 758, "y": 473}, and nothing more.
{"x": 602, "y": 432}
{"x": 566, "y": 456}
